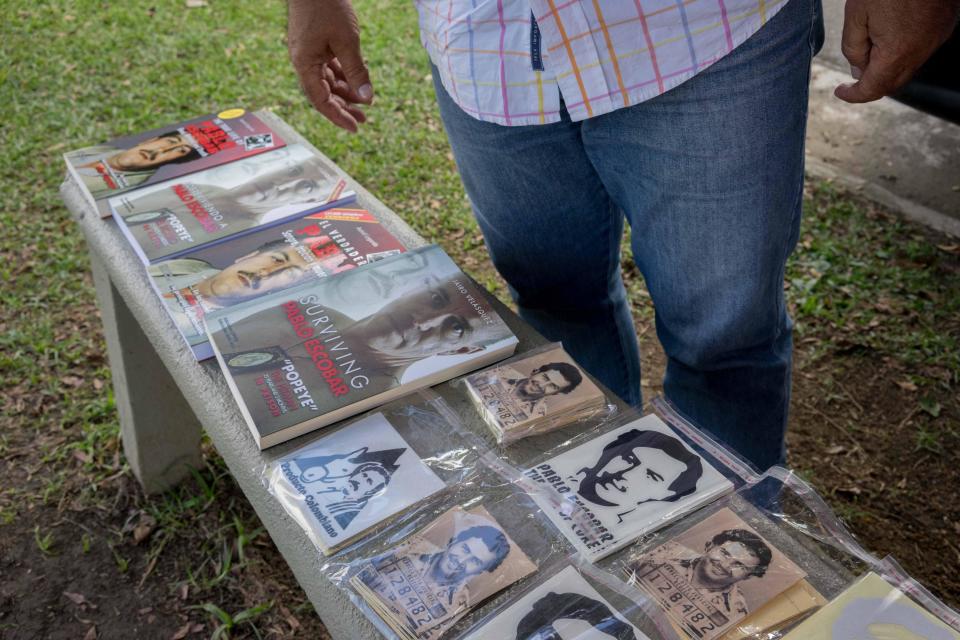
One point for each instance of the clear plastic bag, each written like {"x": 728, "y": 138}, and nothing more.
{"x": 626, "y": 477}
{"x": 570, "y": 599}
{"x": 451, "y": 552}
{"x": 346, "y": 482}
{"x": 752, "y": 565}
{"x": 534, "y": 393}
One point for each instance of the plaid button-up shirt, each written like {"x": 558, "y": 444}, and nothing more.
{"x": 510, "y": 61}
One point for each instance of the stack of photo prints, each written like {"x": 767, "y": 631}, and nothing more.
{"x": 427, "y": 583}
{"x": 533, "y": 395}
{"x": 316, "y": 312}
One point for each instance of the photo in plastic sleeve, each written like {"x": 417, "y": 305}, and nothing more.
{"x": 563, "y": 607}
{"x": 872, "y": 609}
{"x": 714, "y": 574}
{"x": 424, "y": 585}
{"x": 517, "y": 393}
{"x": 626, "y": 482}
{"x": 350, "y": 481}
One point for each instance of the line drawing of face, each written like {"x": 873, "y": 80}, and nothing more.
{"x": 639, "y": 467}
{"x": 558, "y": 616}
{"x": 726, "y": 564}
{"x": 364, "y": 483}
{"x": 151, "y": 153}
{"x": 262, "y": 271}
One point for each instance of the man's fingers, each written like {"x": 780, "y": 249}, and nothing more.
{"x": 878, "y": 79}
{"x": 855, "y": 42}
{"x": 318, "y": 92}
{"x": 354, "y": 70}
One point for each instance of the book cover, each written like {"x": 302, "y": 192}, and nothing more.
{"x": 627, "y": 482}
{"x": 268, "y": 260}
{"x": 346, "y": 483}
{"x": 872, "y": 609}
{"x": 303, "y": 358}
{"x": 170, "y": 219}
{"x": 714, "y": 574}
{"x": 424, "y": 585}
{"x": 130, "y": 162}
{"x": 563, "y": 606}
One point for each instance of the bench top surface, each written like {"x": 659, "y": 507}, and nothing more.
{"x": 204, "y": 388}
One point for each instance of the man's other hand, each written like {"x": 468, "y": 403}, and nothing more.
{"x": 323, "y": 39}
{"x": 886, "y": 41}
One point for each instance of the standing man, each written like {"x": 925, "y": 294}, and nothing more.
{"x": 687, "y": 118}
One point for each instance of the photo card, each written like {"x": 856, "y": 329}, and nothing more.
{"x": 563, "y": 606}
{"x": 342, "y": 485}
{"x": 424, "y": 585}
{"x": 624, "y": 483}
{"x": 714, "y": 574}
{"x": 533, "y": 395}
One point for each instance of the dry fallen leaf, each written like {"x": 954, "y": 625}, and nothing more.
{"x": 196, "y": 4}
{"x": 906, "y": 385}
{"x": 75, "y": 598}
{"x": 182, "y": 632}
{"x": 836, "y": 450}
{"x": 91, "y": 634}
{"x": 72, "y": 381}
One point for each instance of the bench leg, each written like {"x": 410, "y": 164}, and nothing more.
{"x": 160, "y": 433}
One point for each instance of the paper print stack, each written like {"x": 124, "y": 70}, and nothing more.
{"x": 625, "y": 483}
{"x": 303, "y": 358}
{"x": 533, "y": 395}
{"x": 272, "y": 259}
{"x": 126, "y": 163}
{"x": 423, "y": 586}
{"x": 563, "y": 606}
{"x": 346, "y": 483}
{"x": 173, "y": 218}
{"x": 872, "y": 609}
{"x": 714, "y": 575}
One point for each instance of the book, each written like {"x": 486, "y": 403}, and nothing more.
{"x": 218, "y": 276}
{"x": 625, "y": 483}
{"x": 303, "y": 358}
{"x": 563, "y": 606}
{"x": 869, "y": 609}
{"x": 122, "y": 164}
{"x": 713, "y": 575}
{"x": 425, "y": 584}
{"x": 170, "y": 219}
{"x": 341, "y": 486}
{"x": 533, "y": 395}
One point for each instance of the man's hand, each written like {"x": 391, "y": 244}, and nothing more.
{"x": 886, "y": 41}
{"x": 323, "y": 39}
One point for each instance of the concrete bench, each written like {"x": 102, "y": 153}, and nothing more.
{"x": 164, "y": 397}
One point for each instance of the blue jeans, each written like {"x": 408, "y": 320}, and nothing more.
{"x": 710, "y": 177}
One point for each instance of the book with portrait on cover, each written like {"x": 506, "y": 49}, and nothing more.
{"x": 315, "y": 246}
{"x": 306, "y": 357}
{"x": 170, "y": 219}
{"x": 130, "y": 162}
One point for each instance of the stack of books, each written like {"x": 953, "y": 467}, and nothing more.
{"x": 260, "y": 257}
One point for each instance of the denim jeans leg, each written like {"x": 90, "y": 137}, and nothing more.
{"x": 554, "y": 235}
{"x": 710, "y": 175}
